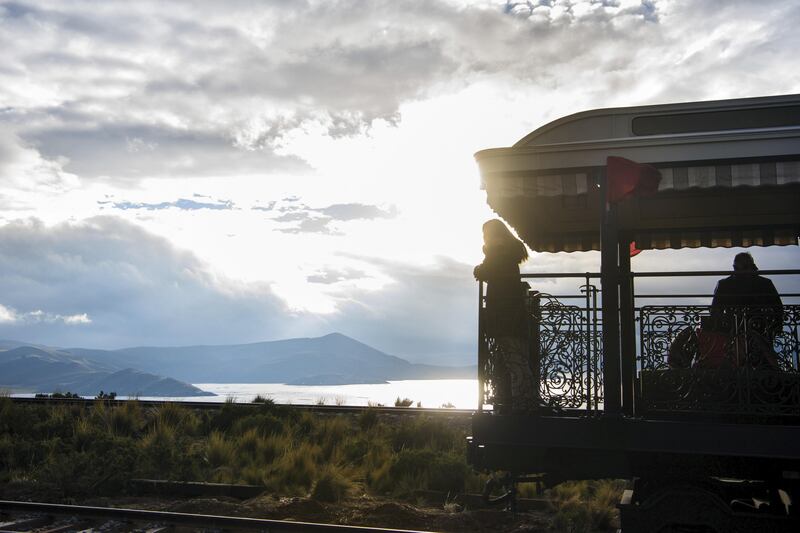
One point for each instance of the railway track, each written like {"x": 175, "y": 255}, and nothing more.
{"x": 36, "y": 517}
{"x": 218, "y": 405}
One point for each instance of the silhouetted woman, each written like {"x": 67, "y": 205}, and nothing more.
{"x": 505, "y": 309}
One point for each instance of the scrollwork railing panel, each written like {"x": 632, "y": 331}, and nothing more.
{"x": 735, "y": 361}
{"x": 565, "y": 355}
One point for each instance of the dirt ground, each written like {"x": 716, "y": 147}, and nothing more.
{"x": 360, "y": 511}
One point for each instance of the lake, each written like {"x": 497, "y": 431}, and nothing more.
{"x": 461, "y": 393}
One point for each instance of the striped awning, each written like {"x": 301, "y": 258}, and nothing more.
{"x": 672, "y": 179}
{"x": 730, "y": 205}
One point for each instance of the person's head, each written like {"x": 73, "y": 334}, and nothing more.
{"x": 743, "y": 262}
{"x": 497, "y": 235}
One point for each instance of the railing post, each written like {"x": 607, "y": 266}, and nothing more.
{"x": 595, "y": 355}
{"x": 481, "y": 348}
{"x": 627, "y": 327}
{"x": 609, "y": 283}
{"x": 535, "y": 344}
{"x": 590, "y": 388}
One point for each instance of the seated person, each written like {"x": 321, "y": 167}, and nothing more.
{"x": 747, "y": 310}
{"x": 746, "y": 316}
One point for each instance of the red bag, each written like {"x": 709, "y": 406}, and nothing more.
{"x": 714, "y": 350}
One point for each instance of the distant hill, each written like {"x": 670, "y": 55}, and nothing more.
{"x": 331, "y": 360}
{"x": 40, "y": 369}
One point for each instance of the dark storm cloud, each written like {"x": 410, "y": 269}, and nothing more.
{"x": 439, "y": 300}
{"x": 149, "y": 89}
{"x": 134, "y": 287}
{"x": 131, "y": 151}
{"x": 134, "y": 90}
{"x": 137, "y": 289}
{"x": 181, "y": 203}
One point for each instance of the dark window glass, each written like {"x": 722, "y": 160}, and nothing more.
{"x": 737, "y": 119}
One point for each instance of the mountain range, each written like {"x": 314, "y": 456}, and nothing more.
{"x": 333, "y": 359}
{"x": 41, "y": 369}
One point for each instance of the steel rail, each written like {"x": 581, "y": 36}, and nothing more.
{"x": 654, "y": 274}
{"x": 333, "y": 409}
{"x": 190, "y": 519}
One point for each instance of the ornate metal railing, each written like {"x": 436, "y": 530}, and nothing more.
{"x": 741, "y": 362}
{"x": 736, "y": 361}
{"x": 564, "y": 350}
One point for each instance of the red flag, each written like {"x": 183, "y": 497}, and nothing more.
{"x": 634, "y": 250}
{"x": 628, "y": 178}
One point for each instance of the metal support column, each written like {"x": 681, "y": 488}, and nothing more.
{"x": 627, "y": 325}
{"x": 609, "y": 282}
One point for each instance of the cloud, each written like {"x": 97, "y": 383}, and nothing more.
{"x": 124, "y": 286}
{"x": 101, "y": 100}
{"x": 269, "y": 207}
{"x": 7, "y": 315}
{"x": 356, "y": 211}
{"x": 12, "y": 316}
{"x": 182, "y": 203}
{"x": 107, "y": 283}
{"x": 307, "y": 224}
{"x": 330, "y": 276}
{"x": 24, "y": 170}
{"x": 321, "y": 220}
{"x": 426, "y": 313}
{"x": 172, "y": 93}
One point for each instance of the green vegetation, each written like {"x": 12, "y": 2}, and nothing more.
{"x": 69, "y": 451}
{"x": 403, "y": 402}
{"x": 585, "y": 505}
{"x": 72, "y": 451}
{"x": 57, "y": 395}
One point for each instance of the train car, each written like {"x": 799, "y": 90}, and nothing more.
{"x": 703, "y": 418}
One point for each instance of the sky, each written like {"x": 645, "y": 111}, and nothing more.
{"x": 230, "y": 172}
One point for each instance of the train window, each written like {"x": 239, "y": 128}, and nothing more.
{"x": 736, "y": 119}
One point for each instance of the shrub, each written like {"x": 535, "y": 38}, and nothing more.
{"x": 603, "y": 503}
{"x": 429, "y": 470}
{"x": 247, "y": 445}
{"x": 266, "y": 400}
{"x": 263, "y": 423}
{"x": 182, "y": 419}
{"x": 368, "y": 419}
{"x": 126, "y": 420}
{"x": 425, "y": 432}
{"x": 271, "y": 448}
{"x": 405, "y": 402}
{"x": 13, "y": 417}
{"x": 353, "y": 451}
{"x": 105, "y": 466}
{"x": 332, "y": 486}
{"x": 304, "y": 425}
{"x": 56, "y": 422}
{"x": 219, "y": 451}
{"x": 330, "y": 433}
{"x": 295, "y": 471}
{"x": 448, "y": 473}
{"x": 573, "y": 517}
{"x": 227, "y": 416}
{"x": 586, "y": 505}
{"x": 160, "y": 450}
